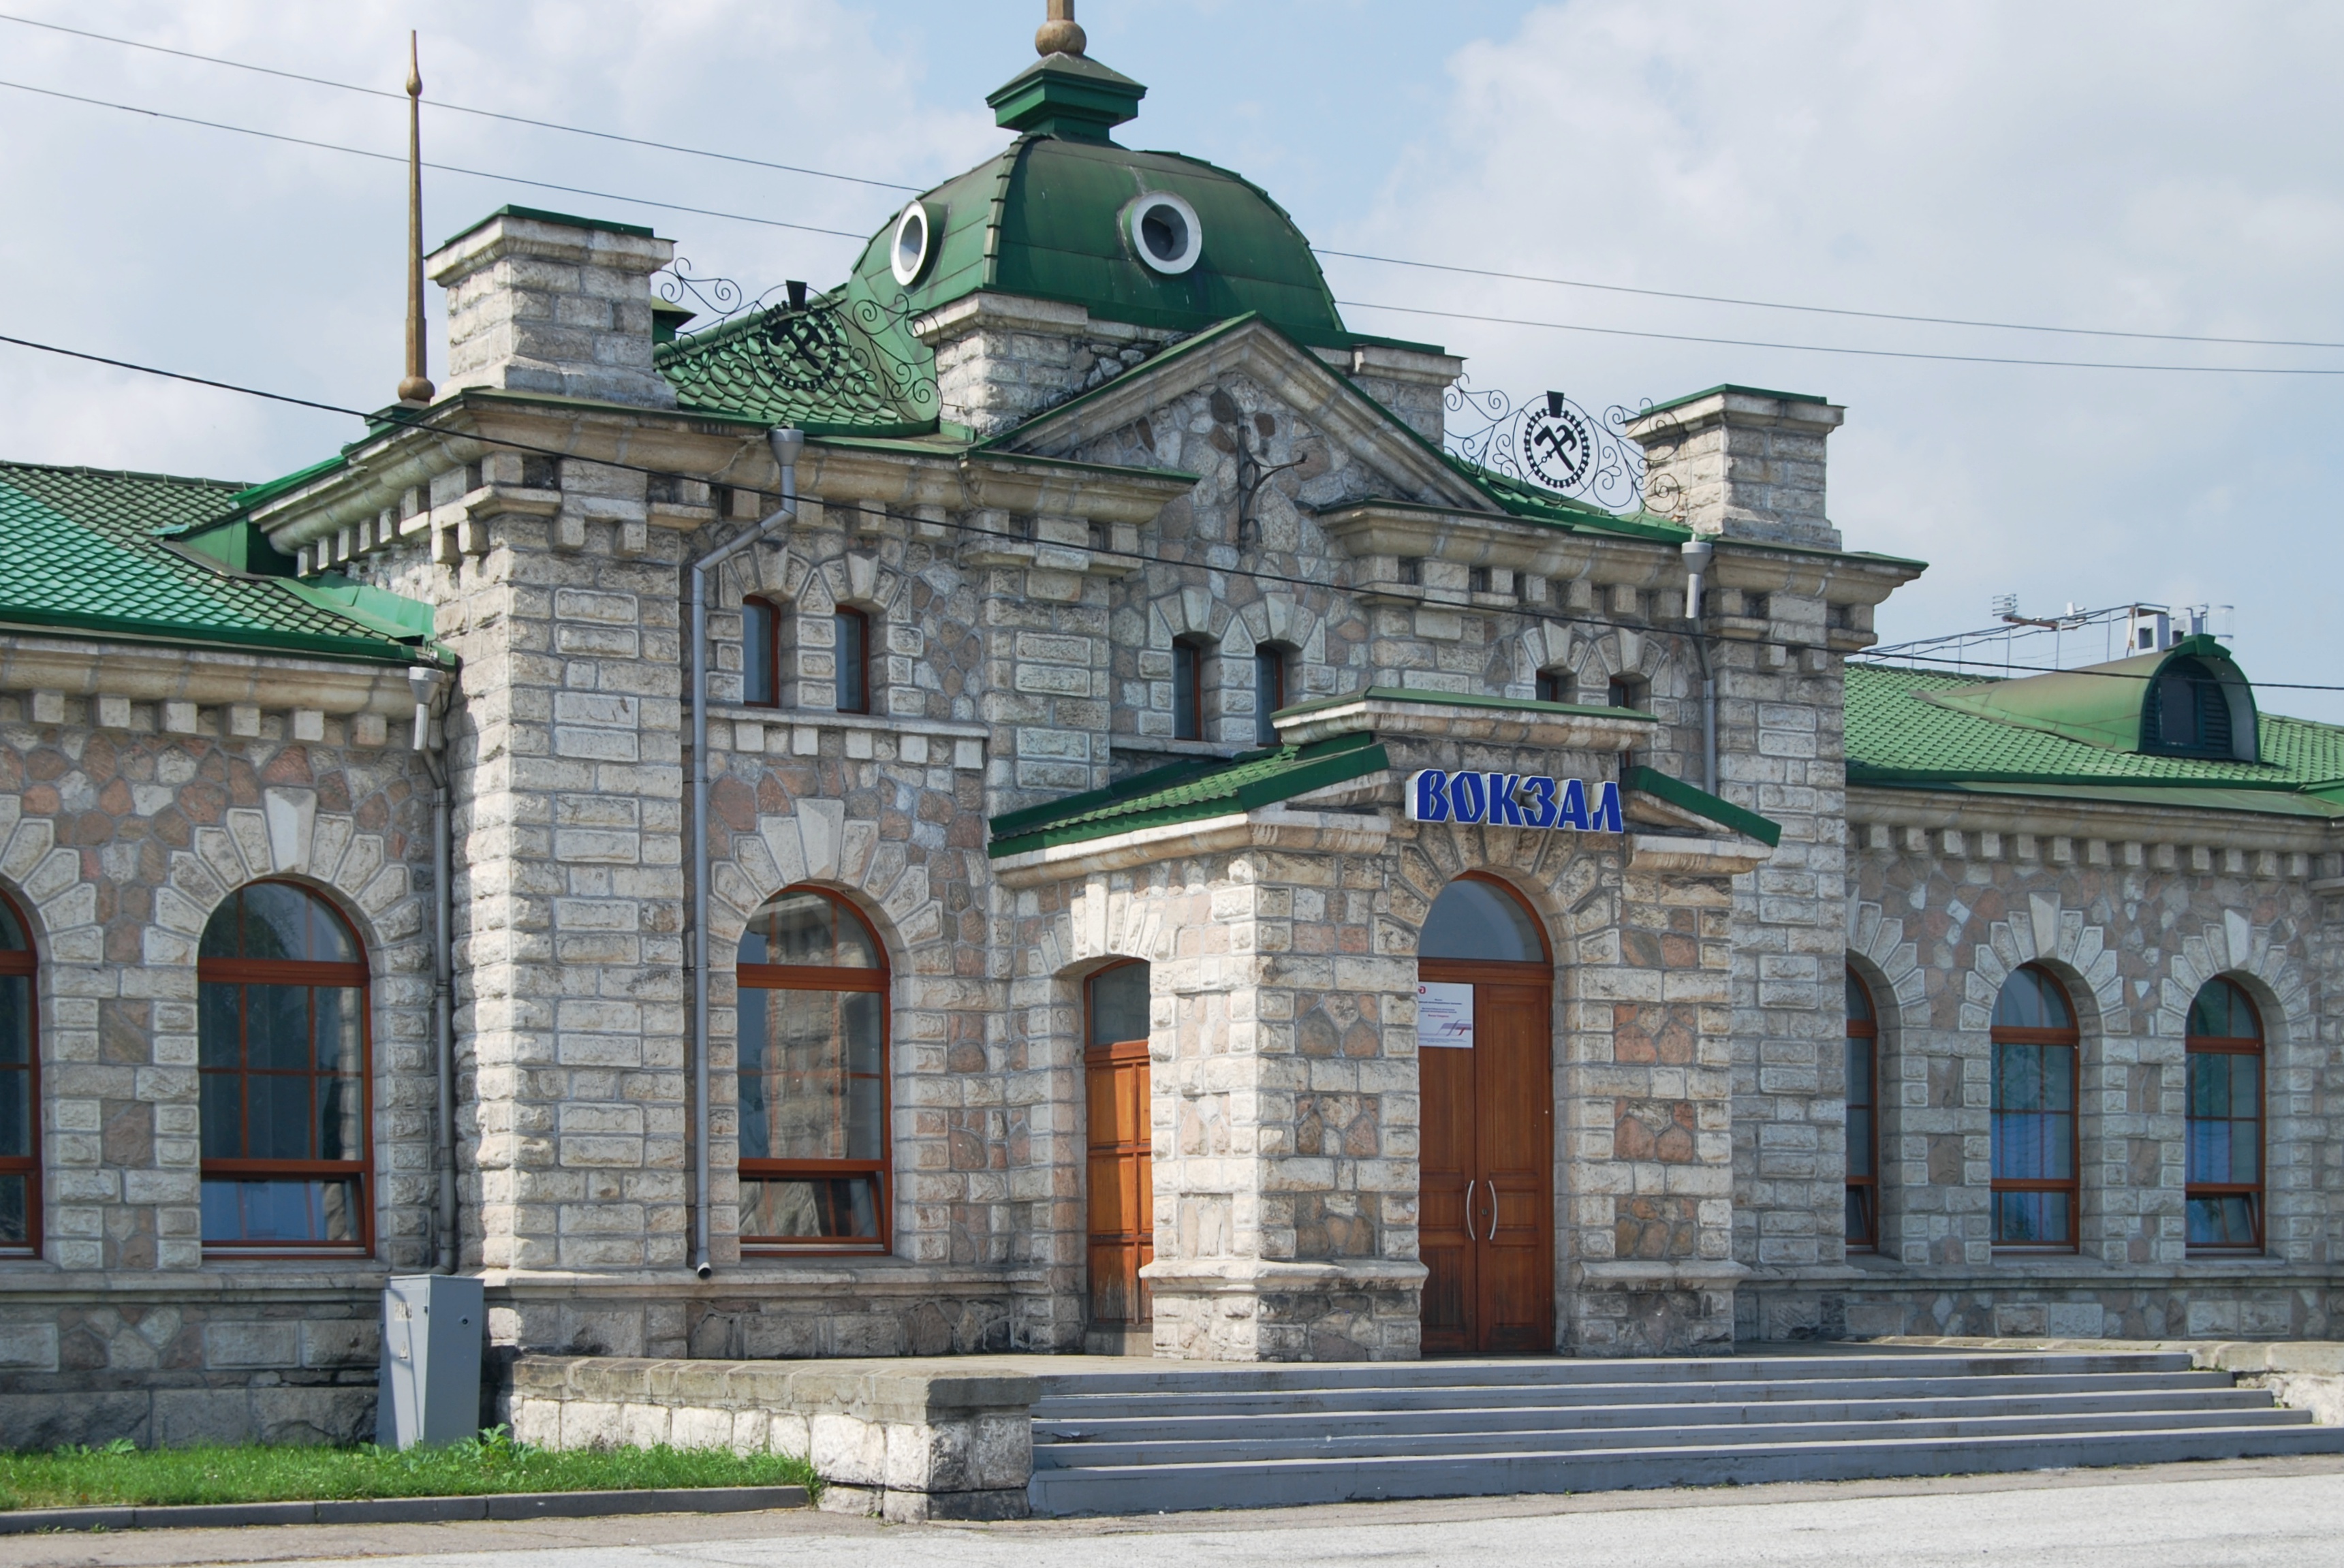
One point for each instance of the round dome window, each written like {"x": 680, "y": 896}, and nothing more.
{"x": 1166, "y": 233}
{"x": 914, "y": 236}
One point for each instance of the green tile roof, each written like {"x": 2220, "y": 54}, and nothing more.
{"x": 840, "y": 367}
{"x": 1900, "y": 731}
{"x": 1187, "y": 791}
{"x": 79, "y": 551}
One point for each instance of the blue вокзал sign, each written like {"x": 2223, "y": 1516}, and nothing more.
{"x": 1513, "y": 800}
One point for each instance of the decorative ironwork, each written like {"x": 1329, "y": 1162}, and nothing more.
{"x": 1554, "y": 444}
{"x": 827, "y": 350}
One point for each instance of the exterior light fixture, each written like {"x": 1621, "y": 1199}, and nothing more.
{"x": 1165, "y": 232}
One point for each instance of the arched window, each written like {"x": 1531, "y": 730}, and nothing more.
{"x": 761, "y": 654}
{"x": 2226, "y": 1121}
{"x": 2191, "y": 710}
{"x": 20, "y": 1092}
{"x": 853, "y": 653}
{"x": 1862, "y": 1119}
{"x": 814, "y": 1078}
{"x": 282, "y": 1046}
{"x": 1120, "y": 1193}
{"x": 2035, "y": 1085}
{"x": 1187, "y": 692}
{"x": 1478, "y": 918}
{"x": 1268, "y": 692}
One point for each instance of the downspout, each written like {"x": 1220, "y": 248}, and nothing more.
{"x": 1698, "y": 554}
{"x": 431, "y": 744}
{"x": 786, "y": 445}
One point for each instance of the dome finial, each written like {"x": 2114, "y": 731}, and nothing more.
{"x": 1061, "y": 34}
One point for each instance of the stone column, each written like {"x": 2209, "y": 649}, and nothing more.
{"x": 539, "y": 303}
{"x": 1742, "y": 463}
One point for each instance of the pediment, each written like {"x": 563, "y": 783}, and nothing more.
{"x": 1252, "y": 349}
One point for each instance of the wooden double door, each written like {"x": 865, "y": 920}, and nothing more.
{"x": 1121, "y": 1191}
{"x": 1485, "y": 1213}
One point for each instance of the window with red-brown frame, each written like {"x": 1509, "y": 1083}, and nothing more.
{"x": 2035, "y": 1078}
{"x": 20, "y": 1091}
{"x": 2224, "y": 1182}
{"x": 813, "y": 1079}
{"x": 282, "y": 1060}
{"x": 761, "y": 654}
{"x": 853, "y": 653}
{"x": 1188, "y": 691}
{"x": 1862, "y": 1118}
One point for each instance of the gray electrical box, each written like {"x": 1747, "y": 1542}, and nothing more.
{"x": 432, "y": 1326}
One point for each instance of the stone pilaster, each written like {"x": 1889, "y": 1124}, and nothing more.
{"x": 1742, "y": 463}
{"x": 544, "y": 304}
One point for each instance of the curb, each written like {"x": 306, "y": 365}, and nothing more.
{"x": 409, "y": 1509}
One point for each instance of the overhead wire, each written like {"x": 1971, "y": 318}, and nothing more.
{"x": 419, "y": 421}
{"x": 441, "y": 167}
{"x": 459, "y": 108}
{"x": 1686, "y": 296}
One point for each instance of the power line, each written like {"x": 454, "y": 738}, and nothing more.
{"x": 1824, "y": 310}
{"x": 458, "y": 108}
{"x": 1864, "y": 353}
{"x": 1322, "y": 250}
{"x": 1524, "y": 613}
{"x": 441, "y": 167}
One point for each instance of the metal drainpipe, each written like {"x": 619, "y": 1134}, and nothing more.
{"x": 786, "y": 445}
{"x": 1698, "y": 554}
{"x": 431, "y": 742}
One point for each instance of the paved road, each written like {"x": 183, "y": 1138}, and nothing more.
{"x": 2288, "y": 1511}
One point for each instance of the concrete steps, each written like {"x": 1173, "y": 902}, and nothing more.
{"x": 1144, "y": 1438}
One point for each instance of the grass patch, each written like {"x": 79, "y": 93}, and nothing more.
{"x": 122, "y": 1474}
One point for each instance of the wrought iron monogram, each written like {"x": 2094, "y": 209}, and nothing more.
{"x": 1552, "y": 443}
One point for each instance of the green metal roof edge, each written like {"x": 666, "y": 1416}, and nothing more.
{"x": 2312, "y": 801}
{"x": 268, "y": 489}
{"x": 180, "y": 633}
{"x": 1874, "y": 774}
{"x": 378, "y": 609}
{"x": 1733, "y": 386}
{"x": 1703, "y": 803}
{"x": 543, "y": 214}
{"x": 1462, "y": 700}
{"x": 1316, "y": 766}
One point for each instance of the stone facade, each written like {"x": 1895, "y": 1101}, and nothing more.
{"x": 1229, "y": 490}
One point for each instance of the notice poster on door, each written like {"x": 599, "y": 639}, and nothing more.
{"x": 1444, "y": 1014}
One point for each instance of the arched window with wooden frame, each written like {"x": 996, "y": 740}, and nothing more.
{"x": 1119, "y": 1189}
{"x": 761, "y": 653}
{"x": 282, "y": 1055}
{"x": 1270, "y": 669}
{"x": 812, "y": 1072}
{"x": 2035, "y": 1149}
{"x": 2225, "y": 1181}
{"x": 1862, "y": 1118}
{"x": 851, "y": 655}
{"x": 20, "y": 1090}
{"x": 1188, "y": 691}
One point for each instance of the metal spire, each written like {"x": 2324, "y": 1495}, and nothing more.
{"x": 416, "y": 388}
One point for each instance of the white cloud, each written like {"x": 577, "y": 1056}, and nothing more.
{"x": 2143, "y": 167}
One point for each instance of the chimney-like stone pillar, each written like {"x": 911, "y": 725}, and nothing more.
{"x": 538, "y": 302}
{"x": 1741, "y": 463}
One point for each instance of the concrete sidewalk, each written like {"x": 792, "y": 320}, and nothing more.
{"x": 2165, "y": 1516}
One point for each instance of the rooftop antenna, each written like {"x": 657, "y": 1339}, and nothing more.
{"x": 415, "y": 389}
{"x": 1061, "y": 34}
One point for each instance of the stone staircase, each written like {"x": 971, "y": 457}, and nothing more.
{"x": 1143, "y": 1437}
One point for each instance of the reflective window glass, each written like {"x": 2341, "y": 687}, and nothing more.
{"x": 1473, "y": 919}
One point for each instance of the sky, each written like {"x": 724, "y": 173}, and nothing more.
{"x": 2144, "y": 168}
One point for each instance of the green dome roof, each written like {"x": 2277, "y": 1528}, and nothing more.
{"x": 1050, "y": 217}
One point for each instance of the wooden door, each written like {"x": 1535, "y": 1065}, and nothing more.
{"x": 1485, "y": 1211}
{"x": 1122, "y": 1189}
